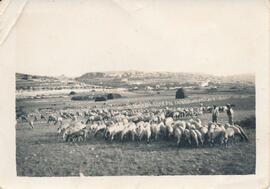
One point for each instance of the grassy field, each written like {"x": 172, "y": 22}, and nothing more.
{"x": 40, "y": 152}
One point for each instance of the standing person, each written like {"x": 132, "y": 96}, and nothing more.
{"x": 230, "y": 114}
{"x": 31, "y": 123}
{"x": 215, "y": 113}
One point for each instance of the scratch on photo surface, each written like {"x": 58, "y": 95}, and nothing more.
{"x": 10, "y": 11}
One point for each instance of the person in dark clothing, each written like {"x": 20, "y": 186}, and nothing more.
{"x": 230, "y": 114}
{"x": 215, "y": 114}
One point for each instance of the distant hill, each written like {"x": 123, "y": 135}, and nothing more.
{"x": 22, "y": 76}
{"x": 245, "y": 78}
{"x": 138, "y": 78}
{"x": 36, "y": 82}
{"x": 63, "y": 78}
{"x": 132, "y": 79}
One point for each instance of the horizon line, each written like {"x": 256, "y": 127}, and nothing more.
{"x": 174, "y": 72}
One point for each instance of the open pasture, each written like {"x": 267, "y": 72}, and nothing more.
{"x": 41, "y": 152}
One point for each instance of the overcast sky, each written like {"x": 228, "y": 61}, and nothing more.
{"x": 74, "y": 37}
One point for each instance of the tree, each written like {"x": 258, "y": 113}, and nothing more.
{"x": 180, "y": 93}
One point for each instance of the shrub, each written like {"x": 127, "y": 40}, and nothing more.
{"x": 100, "y": 98}
{"x": 72, "y": 93}
{"x": 86, "y": 97}
{"x": 248, "y": 122}
{"x": 113, "y": 96}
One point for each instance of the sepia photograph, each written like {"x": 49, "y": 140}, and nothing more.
{"x": 138, "y": 88}
{"x": 119, "y": 104}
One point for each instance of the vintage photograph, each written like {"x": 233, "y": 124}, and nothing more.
{"x": 136, "y": 88}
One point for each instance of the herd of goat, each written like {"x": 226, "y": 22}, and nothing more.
{"x": 137, "y": 125}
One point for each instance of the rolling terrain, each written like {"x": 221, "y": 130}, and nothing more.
{"x": 42, "y": 152}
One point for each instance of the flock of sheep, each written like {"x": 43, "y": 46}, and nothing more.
{"x": 192, "y": 132}
{"x": 103, "y": 114}
{"x": 141, "y": 124}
